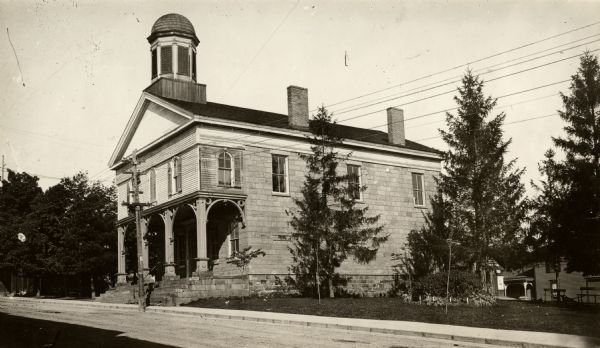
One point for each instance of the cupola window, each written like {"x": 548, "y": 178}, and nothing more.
{"x": 166, "y": 59}
{"x": 193, "y": 65}
{"x": 183, "y": 61}
{"x": 154, "y": 63}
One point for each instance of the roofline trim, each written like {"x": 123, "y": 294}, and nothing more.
{"x": 195, "y": 118}
{"x": 134, "y": 121}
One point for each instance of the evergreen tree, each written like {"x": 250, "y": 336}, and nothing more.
{"x": 480, "y": 201}
{"x": 543, "y": 237}
{"x": 328, "y": 225}
{"x": 579, "y": 219}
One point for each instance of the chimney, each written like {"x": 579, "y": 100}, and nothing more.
{"x": 395, "y": 120}
{"x": 297, "y": 107}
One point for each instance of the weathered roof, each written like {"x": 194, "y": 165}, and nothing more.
{"x": 173, "y": 24}
{"x": 265, "y": 118}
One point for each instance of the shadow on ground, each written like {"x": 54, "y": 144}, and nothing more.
{"x": 20, "y": 332}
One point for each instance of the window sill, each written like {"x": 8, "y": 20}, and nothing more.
{"x": 420, "y": 206}
{"x": 281, "y": 194}
{"x": 229, "y": 186}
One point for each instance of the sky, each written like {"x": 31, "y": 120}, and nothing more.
{"x": 73, "y": 71}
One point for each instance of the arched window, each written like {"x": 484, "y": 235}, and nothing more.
{"x": 225, "y": 171}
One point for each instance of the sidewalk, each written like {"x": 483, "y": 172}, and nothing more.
{"x": 458, "y": 333}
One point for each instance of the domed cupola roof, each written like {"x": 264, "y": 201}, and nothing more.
{"x": 173, "y": 24}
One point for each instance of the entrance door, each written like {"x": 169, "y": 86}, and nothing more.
{"x": 181, "y": 254}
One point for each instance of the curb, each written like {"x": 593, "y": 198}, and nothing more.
{"x": 543, "y": 340}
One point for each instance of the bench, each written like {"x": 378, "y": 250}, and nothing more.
{"x": 585, "y": 293}
{"x": 558, "y": 294}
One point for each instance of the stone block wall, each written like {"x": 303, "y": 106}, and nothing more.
{"x": 389, "y": 193}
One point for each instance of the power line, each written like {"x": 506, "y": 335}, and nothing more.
{"x": 467, "y": 64}
{"x": 262, "y": 47}
{"x": 453, "y": 90}
{"x": 497, "y": 107}
{"x": 345, "y": 109}
{"x": 506, "y": 124}
{"x": 66, "y": 140}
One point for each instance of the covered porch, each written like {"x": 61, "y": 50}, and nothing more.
{"x": 182, "y": 238}
{"x": 519, "y": 287}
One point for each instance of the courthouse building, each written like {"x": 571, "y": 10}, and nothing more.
{"x": 221, "y": 177}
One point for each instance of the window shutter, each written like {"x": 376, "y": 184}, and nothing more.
{"x": 166, "y": 59}
{"x": 238, "y": 166}
{"x": 183, "y": 61}
{"x": 152, "y": 185}
{"x": 208, "y": 166}
{"x": 178, "y": 183}
{"x": 170, "y": 179}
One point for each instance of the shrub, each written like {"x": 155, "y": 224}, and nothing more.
{"x": 483, "y": 298}
{"x": 462, "y": 285}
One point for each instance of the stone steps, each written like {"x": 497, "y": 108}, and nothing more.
{"x": 120, "y": 294}
{"x": 174, "y": 292}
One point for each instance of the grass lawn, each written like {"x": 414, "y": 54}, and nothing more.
{"x": 569, "y": 318}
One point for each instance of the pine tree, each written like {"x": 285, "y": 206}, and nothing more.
{"x": 579, "y": 219}
{"x": 543, "y": 237}
{"x": 483, "y": 205}
{"x": 328, "y": 225}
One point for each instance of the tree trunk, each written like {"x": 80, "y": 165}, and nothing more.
{"x": 92, "y": 287}
{"x": 331, "y": 292}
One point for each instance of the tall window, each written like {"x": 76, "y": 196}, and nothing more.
{"x": 183, "y": 61}
{"x": 129, "y": 188}
{"x": 417, "y": 184}
{"x": 234, "y": 238}
{"x": 354, "y": 181}
{"x": 152, "y": 185}
{"x": 193, "y": 65}
{"x": 166, "y": 59}
{"x": 279, "y": 163}
{"x": 225, "y": 171}
{"x": 174, "y": 175}
{"x": 154, "y": 63}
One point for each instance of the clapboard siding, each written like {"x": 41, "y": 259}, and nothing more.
{"x": 159, "y": 158}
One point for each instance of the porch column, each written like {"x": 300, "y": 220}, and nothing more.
{"x": 201, "y": 259}
{"x": 146, "y": 262}
{"x": 525, "y": 290}
{"x": 121, "y": 275}
{"x": 169, "y": 244}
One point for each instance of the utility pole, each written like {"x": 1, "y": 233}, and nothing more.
{"x": 138, "y": 227}
{"x": 450, "y": 242}
{"x": 2, "y": 173}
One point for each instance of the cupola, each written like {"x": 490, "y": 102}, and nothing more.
{"x": 173, "y": 43}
